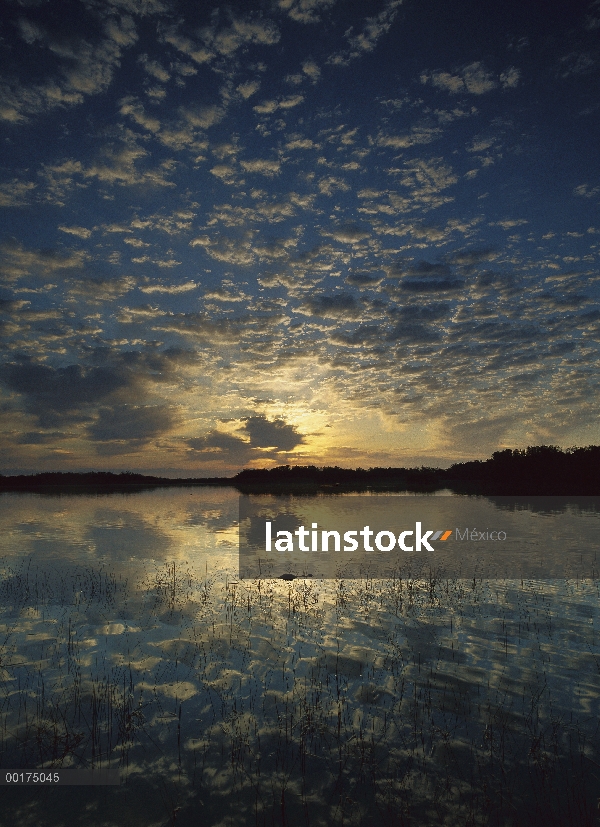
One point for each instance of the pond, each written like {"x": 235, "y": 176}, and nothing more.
{"x": 130, "y": 641}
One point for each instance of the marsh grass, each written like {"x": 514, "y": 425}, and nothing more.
{"x": 405, "y": 701}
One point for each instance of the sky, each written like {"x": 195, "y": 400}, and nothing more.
{"x": 296, "y": 232}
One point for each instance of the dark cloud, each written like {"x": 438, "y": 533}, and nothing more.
{"x": 102, "y": 289}
{"x": 275, "y": 434}
{"x": 349, "y": 233}
{"x": 500, "y": 281}
{"x": 131, "y": 423}
{"x": 431, "y": 285}
{"x": 54, "y": 395}
{"x": 420, "y": 269}
{"x": 413, "y": 332}
{"x": 434, "y": 312}
{"x": 333, "y": 307}
{"x": 364, "y": 334}
{"x": 470, "y": 258}
{"x": 217, "y": 443}
{"x": 494, "y": 330}
{"x": 40, "y": 437}
{"x": 361, "y": 279}
{"x": 427, "y": 268}
{"x": 476, "y": 434}
{"x": 72, "y": 393}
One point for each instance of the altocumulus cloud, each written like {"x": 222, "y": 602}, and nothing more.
{"x": 340, "y": 305}
{"x": 225, "y": 194}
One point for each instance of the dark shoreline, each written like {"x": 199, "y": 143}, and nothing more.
{"x": 535, "y": 471}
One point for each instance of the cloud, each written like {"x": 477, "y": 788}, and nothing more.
{"x": 225, "y": 41}
{"x": 203, "y": 116}
{"x": 99, "y": 290}
{"x": 241, "y": 32}
{"x": 231, "y": 250}
{"x": 420, "y": 269}
{"x": 173, "y": 224}
{"x": 212, "y": 332}
{"x": 57, "y": 395}
{"x": 154, "y": 68}
{"x": 427, "y": 313}
{"x": 74, "y": 393}
{"x": 261, "y": 166}
{"x": 249, "y": 88}
{"x": 509, "y": 223}
{"x": 470, "y": 258}
{"x": 275, "y": 434}
{"x": 80, "y": 232}
{"x": 267, "y": 107}
{"x": 432, "y": 286}
{"x": 305, "y": 11}
{"x": 362, "y": 335}
{"x": 176, "y": 134}
{"x": 220, "y": 445}
{"x": 264, "y": 210}
{"x": 475, "y": 435}
{"x": 425, "y": 179}
{"x": 424, "y": 277}
{"x": 19, "y": 262}
{"x": 363, "y": 279}
{"x": 510, "y": 78}
{"x": 197, "y": 52}
{"x": 413, "y": 333}
{"x": 12, "y": 305}
{"x": 311, "y": 69}
{"x": 134, "y": 424}
{"x": 428, "y": 176}
{"x": 118, "y": 166}
{"x": 135, "y": 109}
{"x": 417, "y": 135}
{"x": 86, "y": 69}
{"x": 348, "y": 233}
{"x": 586, "y": 191}
{"x": 331, "y": 184}
{"x": 158, "y": 262}
{"x": 260, "y": 438}
{"x": 473, "y": 79}
{"x": 298, "y": 142}
{"x": 171, "y": 289}
{"x": 577, "y": 63}
{"x": 142, "y": 8}
{"x": 15, "y": 193}
{"x": 340, "y": 305}
{"x": 366, "y": 40}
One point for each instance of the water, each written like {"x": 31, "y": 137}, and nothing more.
{"x": 128, "y": 640}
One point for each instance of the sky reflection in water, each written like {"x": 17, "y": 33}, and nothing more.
{"x": 128, "y": 640}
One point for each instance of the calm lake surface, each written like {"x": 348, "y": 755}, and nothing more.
{"x": 129, "y": 641}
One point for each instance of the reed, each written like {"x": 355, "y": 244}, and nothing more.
{"x": 350, "y": 702}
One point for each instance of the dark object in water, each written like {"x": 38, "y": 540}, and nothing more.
{"x": 293, "y": 576}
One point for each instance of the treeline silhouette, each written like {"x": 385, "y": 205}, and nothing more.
{"x": 99, "y": 479}
{"x": 537, "y": 470}
{"x": 541, "y": 469}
